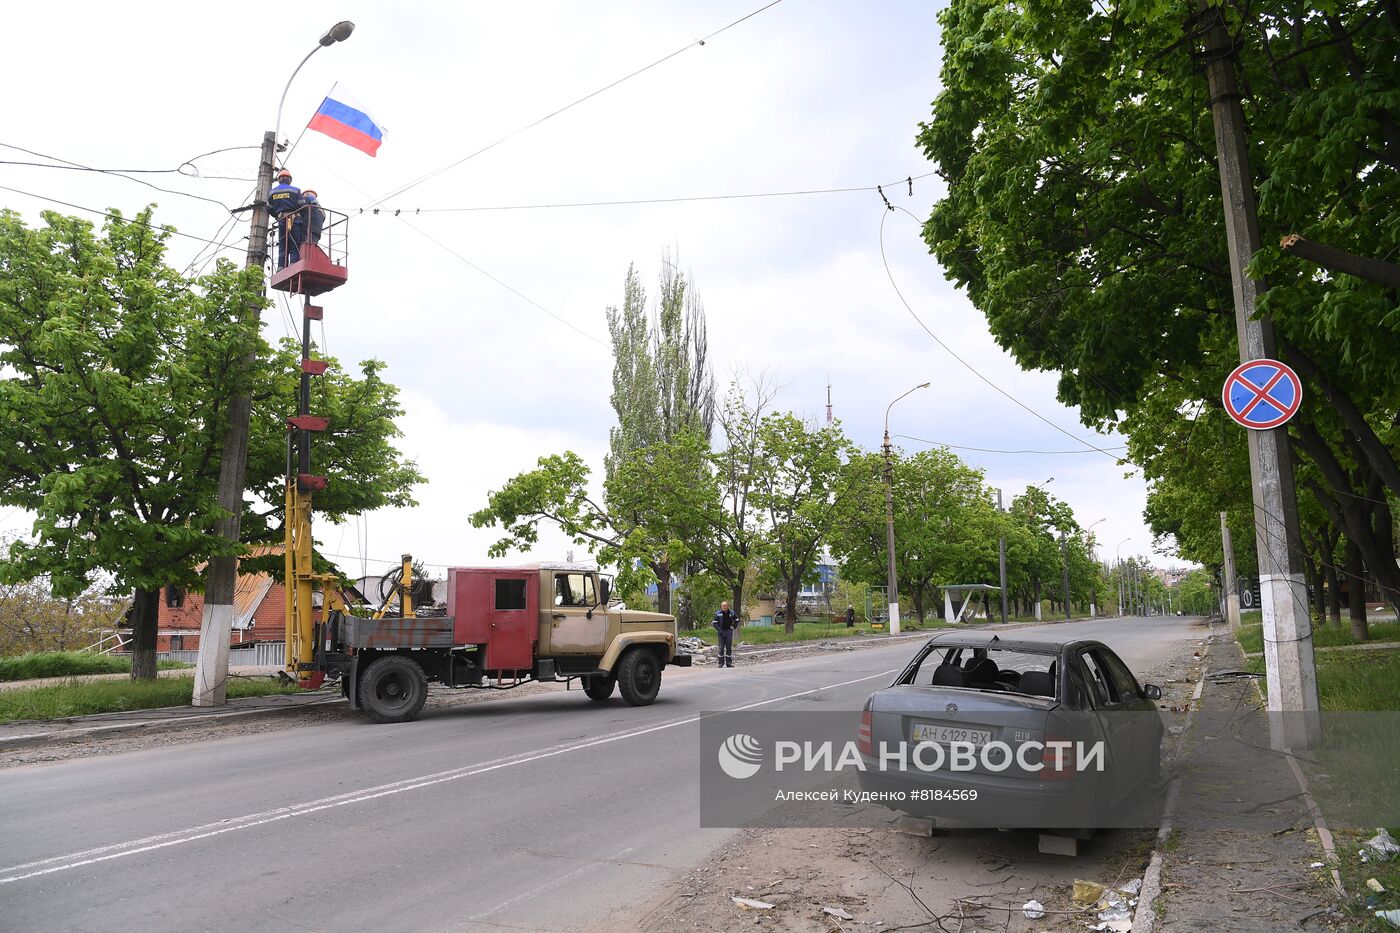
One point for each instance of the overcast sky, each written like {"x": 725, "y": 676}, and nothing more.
{"x": 805, "y": 95}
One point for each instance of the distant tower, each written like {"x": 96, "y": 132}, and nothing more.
{"x": 828, "y": 401}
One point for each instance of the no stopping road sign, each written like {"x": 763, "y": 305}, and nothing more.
{"x": 1262, "y": 394}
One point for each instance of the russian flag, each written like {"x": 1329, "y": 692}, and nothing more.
{"x": 347, "y": 122}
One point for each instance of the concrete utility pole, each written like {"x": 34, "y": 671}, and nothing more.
{"x": 1288, "y": 649}
{"x": 1001, "y": 559}
{"x": 889, "y": 515}
{"x": 215, "y": 627}
{"x": 216, "y": 623}
{"x": 1230, "y": 583}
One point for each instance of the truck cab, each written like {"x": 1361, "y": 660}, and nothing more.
{"x": 506, "y": 626}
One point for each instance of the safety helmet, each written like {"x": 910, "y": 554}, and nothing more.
{"x": 308, "y": 195}
{"x": 284, "y": 175}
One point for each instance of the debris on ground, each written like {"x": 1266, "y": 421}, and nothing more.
{"x": 838, "y": 913}
{"x": 1391, "y": 917}
{"x": 1375, "y": 885}
{"x": 749, "y": 903}
{"x": 1132, "y": 887}
{"x": 1381, "y": 847}
{"x": 1317, "y": 865}
{"x": 1087, "y": 892}
{"x": 1034, "y": 910}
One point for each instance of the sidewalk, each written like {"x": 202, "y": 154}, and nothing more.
{"x": 1243, "y": 836}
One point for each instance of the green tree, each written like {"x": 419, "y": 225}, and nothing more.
{"x": 798, "y": 490}
{"x": 115, "y": 370}
{"x": 1083, "y": 217}
{"x": 944, "y": 523}
{"x": 663, "y": 395}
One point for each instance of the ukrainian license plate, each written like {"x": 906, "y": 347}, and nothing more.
{"x": 946, "y": 735}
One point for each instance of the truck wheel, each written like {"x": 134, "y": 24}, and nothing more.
{"x": 599, "y": 688}
{"x": 639, "y": 675}
{"x": 393, "y": 689}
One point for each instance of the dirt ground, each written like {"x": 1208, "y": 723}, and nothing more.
{"x": 886, "y": 880}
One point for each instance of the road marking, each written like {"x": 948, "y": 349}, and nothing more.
{"x": 208, "y": 830}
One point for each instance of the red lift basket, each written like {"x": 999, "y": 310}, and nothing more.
{"x": 322, "y": 265}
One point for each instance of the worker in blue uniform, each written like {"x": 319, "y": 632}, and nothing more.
{"x": 310, "y": 219}
{"x": 282, "y": 203}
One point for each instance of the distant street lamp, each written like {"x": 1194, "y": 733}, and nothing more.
{"x": 889, "y": 515}
{"x": 1093, "y": 557}
{"x": 1118, "y": 565}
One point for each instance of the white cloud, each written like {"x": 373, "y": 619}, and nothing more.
{"x": 812, "y": 94}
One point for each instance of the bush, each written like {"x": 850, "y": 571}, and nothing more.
{"x": 61, "y": 664}
{"x": 70, "y": 664}
{"x": 111, "y": 696}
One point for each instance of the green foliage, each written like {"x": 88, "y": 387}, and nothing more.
{"x": 115, "y": 696}
{"x": 68, "y": 664}
{"x": 115, "y": 376}
{"x": 798, "y": 491}
{"x": 1084, "y": 219}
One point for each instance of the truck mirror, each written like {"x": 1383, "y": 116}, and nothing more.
{"x": 605, "y": 589}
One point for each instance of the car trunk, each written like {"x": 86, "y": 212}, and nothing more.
{"x": 945, "y": 715}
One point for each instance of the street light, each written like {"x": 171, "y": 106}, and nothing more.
{"x": 1118, "y": 564}
{"x": 889, "y": 515}
{"x": 1093, "y": 557}
{"x": 221, "y": 577}
{"x": 337, "y": 33}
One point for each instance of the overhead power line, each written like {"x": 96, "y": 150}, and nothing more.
{"x": 954, "y": 354}
{"x": 989, "y": 450}
{"x": 131, "y": 220}
{"x": 667, "y": 200}
{"x": 71, "y": 166}
{"x": 552, "y": 114}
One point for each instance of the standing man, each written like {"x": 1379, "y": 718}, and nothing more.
{"x": 725, "y": 622}
{"x": 282, "y": 203}
{"x": 850, "y": 617}
{"x": 306, "y": 228}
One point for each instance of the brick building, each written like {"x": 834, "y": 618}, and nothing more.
{"x": 259, "y": 611}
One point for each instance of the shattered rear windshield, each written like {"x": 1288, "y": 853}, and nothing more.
{"x": 994, "y": 669}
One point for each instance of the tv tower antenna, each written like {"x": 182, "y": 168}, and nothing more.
{"x": 828, "y": 399}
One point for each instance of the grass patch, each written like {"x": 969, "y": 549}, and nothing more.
{"x": 1359, "y": 680}
{"x": 70, "y": 664}
{"x": 61, "y": 701}
{"x": 805, "y": 631}
{"x": 1353, "y": 681}
{"x": 1251, "y": 633}
{"x": 1361, "y": 907}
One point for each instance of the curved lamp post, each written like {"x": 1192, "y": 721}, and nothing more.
{"x": 893, "y": 594}
{"x": 337, "y": 33}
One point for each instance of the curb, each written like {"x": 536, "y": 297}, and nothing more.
{"x": 32, "y": 739}
{"x": 1144, "y": 918}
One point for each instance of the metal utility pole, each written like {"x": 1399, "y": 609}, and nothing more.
{"x": 889, "y": 516}
{"x": 1064, "y": 556}
{"x": 1001, "y": 559}
{"x": 216, "y": 623}
{"x": 1289, "y": 668}
{"x": 1230, "y": 583}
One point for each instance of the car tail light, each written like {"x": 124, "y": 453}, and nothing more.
{"x": 863, "y": 742}
{"x": 1058, "y": 762}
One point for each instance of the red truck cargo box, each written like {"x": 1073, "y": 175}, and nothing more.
{"x": 497, "y": 607}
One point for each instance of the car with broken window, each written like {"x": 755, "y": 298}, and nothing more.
{"x": 981, "y": 731}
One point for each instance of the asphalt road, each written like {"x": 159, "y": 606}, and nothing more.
{"x": 543, "y": 813}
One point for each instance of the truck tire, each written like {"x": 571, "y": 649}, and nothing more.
{"x": 599, "y": 688}
{"x": 393, "y": 689}
{"x": 639, "y": 676}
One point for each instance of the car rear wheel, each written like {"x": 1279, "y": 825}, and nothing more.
{"x": 393, "y": 689}
{"x": 639, "y": 675}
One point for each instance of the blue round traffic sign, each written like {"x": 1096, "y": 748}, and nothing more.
{"x": 1262, "y": 394}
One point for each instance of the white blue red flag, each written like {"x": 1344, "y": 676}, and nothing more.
{"x": 339, "y": 117}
